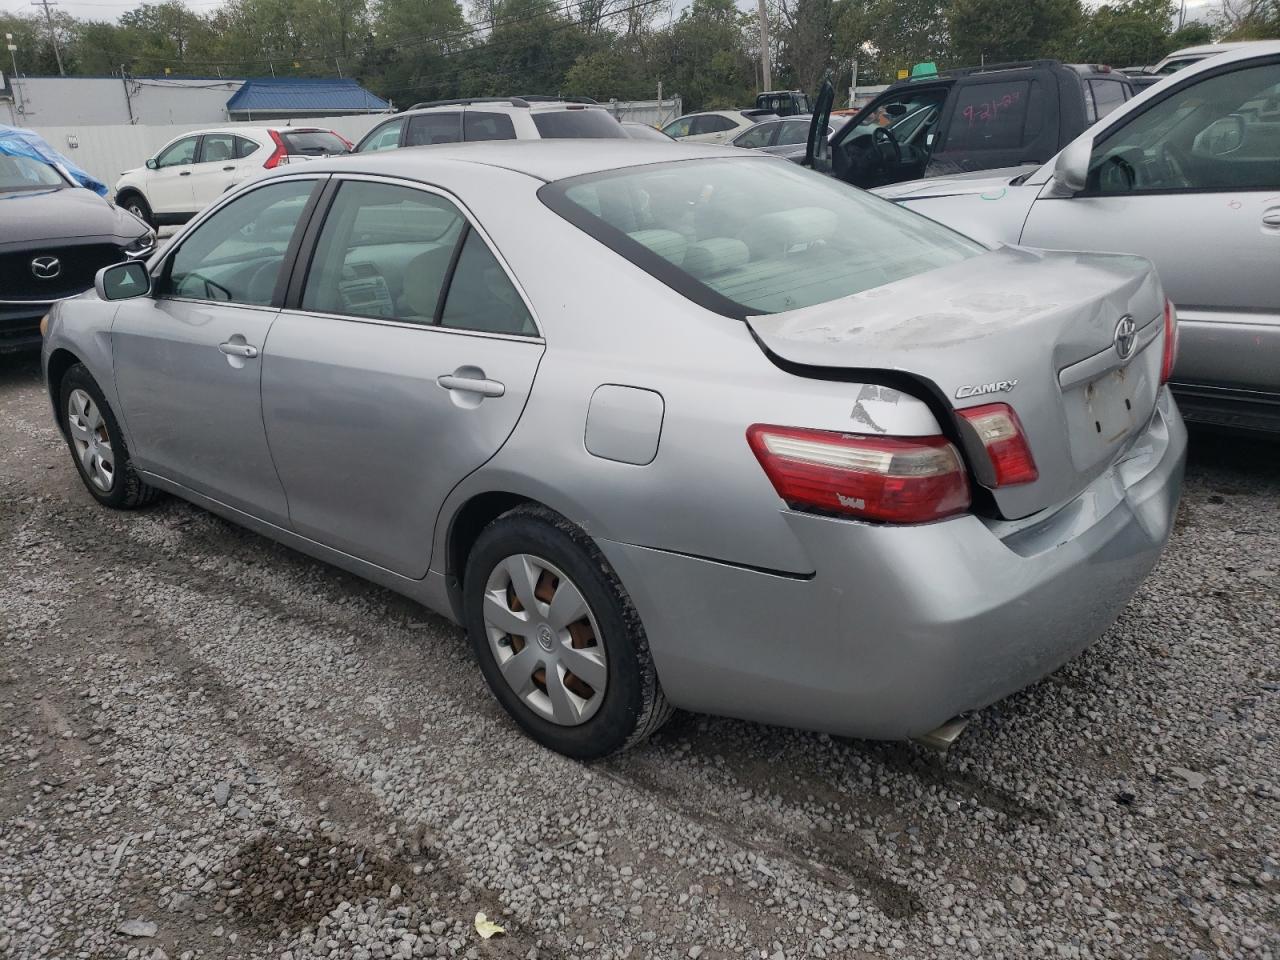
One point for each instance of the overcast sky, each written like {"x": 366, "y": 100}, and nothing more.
{"x": 111, "y": 9}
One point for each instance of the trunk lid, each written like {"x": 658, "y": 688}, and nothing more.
{"x": 1034, "y": 329}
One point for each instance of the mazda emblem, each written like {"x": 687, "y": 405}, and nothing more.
{"x": 1126, "y": 337}
{"x": 46, "y": 268}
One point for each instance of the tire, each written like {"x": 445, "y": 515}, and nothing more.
{"x": 97, "y": 445}
{"x": 135, "y": 204}
{"x": 626, "y": 703}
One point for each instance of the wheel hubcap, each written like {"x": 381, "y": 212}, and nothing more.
{"x": 545, "y": 640}
{"x": 91, "y": 440}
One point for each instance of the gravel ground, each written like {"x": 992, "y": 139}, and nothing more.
{"x": 215, "y": 747}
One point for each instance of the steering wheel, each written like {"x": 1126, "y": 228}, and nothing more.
{"x": 883, "y": 137}
{"x": 1174, "y": 161}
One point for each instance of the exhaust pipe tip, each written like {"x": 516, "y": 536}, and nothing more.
{"x": 941, "y": 738}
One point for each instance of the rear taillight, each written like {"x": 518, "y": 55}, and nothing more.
{"x": 875, "y": 478}
{"x": 1000, "y": 432}
{"x": 279, "y": 155}
{"x": 1170, "y": 356}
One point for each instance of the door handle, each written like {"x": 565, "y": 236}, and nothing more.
{"x": 232, "y": 349}
{"x": 185, "y": 173}
{"x": 477, "y": 385}
{"x": 228, "y": 169}
{"x": 1271, "y": 218}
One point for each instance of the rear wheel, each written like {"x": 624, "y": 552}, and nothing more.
{"x": 139, "y": 207}
{"x": 97, "y": 445}
{"x": 557, "y": 637}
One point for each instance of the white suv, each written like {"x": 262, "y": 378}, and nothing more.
{"x": 493, "y": 118}
{"x": 191, "y": 171}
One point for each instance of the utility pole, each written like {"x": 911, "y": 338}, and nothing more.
{"x": 13, "y": 58}
{"x": 764, "y": 46}
{"x": 53, "y": 36}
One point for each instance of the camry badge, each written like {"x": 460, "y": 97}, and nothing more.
{"x": 46, "y": 268}
{"x": 982, "y": 389}
{"x": 1126, "y": 337}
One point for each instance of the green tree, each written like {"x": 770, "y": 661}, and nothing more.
{"x": 704, "y": 57}
{"x": 804, "y": 31}
{"x": 1004, "y": 30}
{"x": 1128, "y": 33}
{"x": 613, "y": 72}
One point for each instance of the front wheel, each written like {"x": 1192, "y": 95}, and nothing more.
{"x": 97, "y": 445}
{"x": 139, "y": 208}
{"x": 557, "y": 637}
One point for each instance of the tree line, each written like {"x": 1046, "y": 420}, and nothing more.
{"x": 708, "y": 52}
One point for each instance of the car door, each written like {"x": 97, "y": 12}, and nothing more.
{"x": 188, "y": 358}
{"x": 400, "y": 365}
{"x": 169, "y": 184}
{"x": 874, "y": 149}
{"x": 214, "y": 169}
{"x": 1192, "y": 182}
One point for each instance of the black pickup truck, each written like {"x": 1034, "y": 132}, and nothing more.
{"x": 972, "y": 118}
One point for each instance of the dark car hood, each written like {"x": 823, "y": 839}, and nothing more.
{"x": 70, "y": 213}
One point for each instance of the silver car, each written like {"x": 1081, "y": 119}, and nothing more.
{"x": 1186, "y": 174}
{"x": 662, "y": 426}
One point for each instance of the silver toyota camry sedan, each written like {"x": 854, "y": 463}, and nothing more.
{"x": 662, "y": 426}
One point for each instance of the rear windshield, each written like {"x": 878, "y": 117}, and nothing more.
{"x": 314, "y": 144}
{"x": 566, "y": 124}
{"x": 747, "y": 236}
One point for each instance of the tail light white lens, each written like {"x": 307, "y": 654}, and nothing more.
{"x": 1000, "y": 432}
{"x": 1170, "y": 356}
{"x": 874, "y": 478}
{"x": 279, "y": 155}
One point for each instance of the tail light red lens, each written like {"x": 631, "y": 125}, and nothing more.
{"x": 874, "y": 478}
{"x": 1000, "y": 432}
{"x": 1170, "y": 356}
{"x": 279, "y": 155}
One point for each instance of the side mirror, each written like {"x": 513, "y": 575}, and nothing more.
{"x": 1071, "y": 170}
{"x": 153, "y": 163}
{"x": 123, "y": 281}
{"x": 1222, "y": 137}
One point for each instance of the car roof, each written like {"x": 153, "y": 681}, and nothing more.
{"x": 506, "y": 104}
{"x": 545, "y": 160}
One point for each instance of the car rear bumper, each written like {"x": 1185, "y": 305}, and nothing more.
{"x": 899, "y": 629}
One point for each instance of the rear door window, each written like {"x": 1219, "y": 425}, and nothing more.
{"x": 217, "y": 147}
{"x": 1107, "y": 95}
{"x": 573, "y": 123}
{"x": 428, "y": 128}
{"x": 485, "y": 125}
{"x": 990, "y": 116}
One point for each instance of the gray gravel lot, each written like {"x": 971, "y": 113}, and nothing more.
{"x": 254, "y": 754}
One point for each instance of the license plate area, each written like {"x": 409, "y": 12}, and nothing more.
{"x": 1103, "y": 414}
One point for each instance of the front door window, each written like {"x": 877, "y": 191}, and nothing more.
{"x": 1222, "y": 133}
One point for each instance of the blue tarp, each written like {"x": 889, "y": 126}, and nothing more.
{"x": 19, "y": 142}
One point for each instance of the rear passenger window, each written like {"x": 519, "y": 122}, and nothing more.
{"x": 990, "y": 116}
{"x": 384, "y": 251}
{"x": 480, "y": 125}
{"x": 1107, "y": 95}
{"x": 481, "y": 296}
{"x": 430, "y": 128}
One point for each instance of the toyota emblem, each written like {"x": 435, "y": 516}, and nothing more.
{"x": 46, "y": 268}
{"x": 1126, "y": 337}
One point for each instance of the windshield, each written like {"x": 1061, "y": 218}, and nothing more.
{"x": 23, "y": 173}
{"x": 572, "y": 123}
{"x": 314, "y": 143}
{"x": 746, "y": 236}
